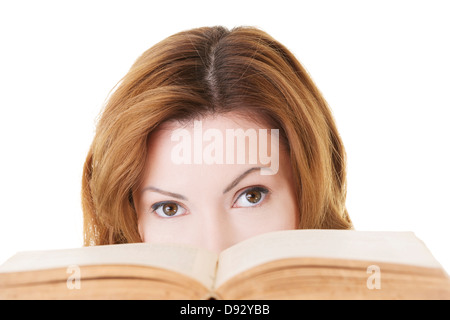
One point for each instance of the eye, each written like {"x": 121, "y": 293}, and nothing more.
{"x": 168, "y": 209}
{"x": 251, "y": 197}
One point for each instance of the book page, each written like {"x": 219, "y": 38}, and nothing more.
{"x": 193, "y": 262}
{"x": 390, "y": 247}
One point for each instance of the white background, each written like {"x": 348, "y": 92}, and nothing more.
{"x": 383, "y": 67}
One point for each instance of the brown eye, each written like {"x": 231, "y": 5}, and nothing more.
{"x": 170, "y": 209}
{"x": 253, "y": 196}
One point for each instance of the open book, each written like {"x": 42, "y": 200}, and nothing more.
{"x": 296, "y": 264}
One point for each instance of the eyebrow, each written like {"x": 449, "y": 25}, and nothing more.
{"x": 166, "y": 193}
{"x": 242, "y": 176}
{"x": 227, "y": 189}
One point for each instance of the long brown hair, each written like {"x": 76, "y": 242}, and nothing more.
{"x": 203, "y": 71}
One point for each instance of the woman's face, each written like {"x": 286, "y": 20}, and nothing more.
{"x": 207, "y": 185}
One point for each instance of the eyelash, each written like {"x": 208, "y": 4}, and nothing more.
{"x": 158, "y": 205}
{"x": 264, "y": 191}
{"x": 260, "y": 189}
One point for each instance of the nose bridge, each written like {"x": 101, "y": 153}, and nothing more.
{"x": 216, "y": 231}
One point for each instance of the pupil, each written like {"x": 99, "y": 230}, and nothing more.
{"x": 170, "y": 209}
{"x": 253, "y": 196}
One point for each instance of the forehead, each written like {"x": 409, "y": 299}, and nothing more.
{"x": 204, "y": 129}
{"x": 230, "y": 120}
{"x": 193, "y": 149}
